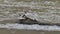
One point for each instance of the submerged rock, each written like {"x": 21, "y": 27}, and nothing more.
{"x": 47, "y": 19}
{"x": 35, "y": 16}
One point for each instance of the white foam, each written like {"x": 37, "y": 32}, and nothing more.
{"x": 30, "y": 27}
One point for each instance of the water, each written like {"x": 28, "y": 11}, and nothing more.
{"x": 50, "y": 9}
{"x": 5, "y": 31}
{"x": 50, "y": 6}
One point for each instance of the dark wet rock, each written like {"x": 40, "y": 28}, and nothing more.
{"x": 30, "y": 21}
{"x": 27, "y": 21}
{"x": 33, "y": 18}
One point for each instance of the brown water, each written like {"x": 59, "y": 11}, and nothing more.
{"x": 6, "y": 31}
{"x": 45, "y": 7}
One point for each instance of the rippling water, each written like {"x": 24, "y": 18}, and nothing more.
{"x": 49, "y": 10}
{"x": 11, "y": 8}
